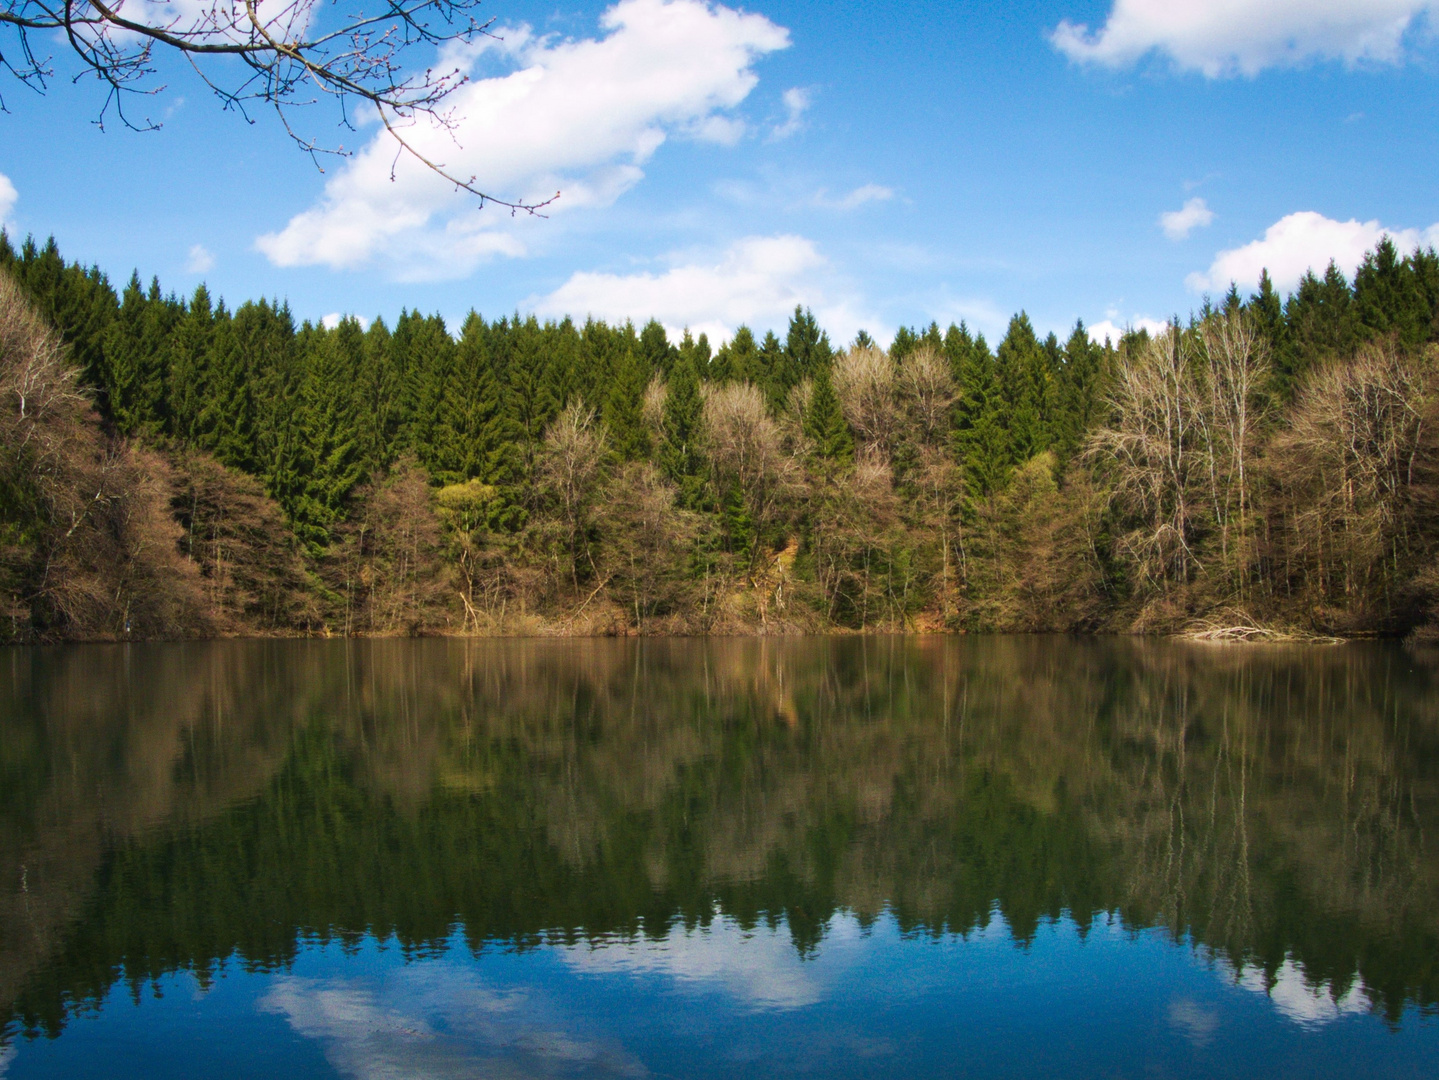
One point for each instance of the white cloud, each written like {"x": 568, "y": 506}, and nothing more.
{"x": 1300, "y": 242}
{"x": 1178, "y": 224}
{"x": 1295, "y": 997}
{"x": 8, "y": 198}
{"x": 760, "y": 969}
{"x": 1109, "y": 330}
{"x": 1227, "y": 37}
{"x": 855, "y": 199}
{"x": 438, "y": 1021}
{"x": 580, "y": 117}
{"x": 757, "y": 281}
{"x": 796, "y": 102}
{"x": 200, "y": 261}
{"x": 334, "y": 318}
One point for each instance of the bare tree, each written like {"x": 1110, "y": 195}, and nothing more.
{"x": 273, "y": 54}
{"x": 1357, "y": 465}
{"x": 745, "y": 447}
{"x": 1150, "y": 454}
{"x": 570, "y": 469}
{"x": 647, "y": 540}
{"x": 926, "y": 391}
{"x": 864, "y": 382}
{"x": 1231, "y": 365}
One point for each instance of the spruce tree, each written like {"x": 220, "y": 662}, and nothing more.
{"x": 623, "y": 407}
{"x": 824, "y": 421}
{"x": 655, "y": 348}
{"x": 1025, "y": 382}
{"x": 188, "y": 355}
{"x": 680, "y": 456}
{"x": 1388, "y": 297}
{"x": 1320, "y": 323}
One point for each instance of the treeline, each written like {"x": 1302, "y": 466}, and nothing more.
{"x": 197, "y": 470}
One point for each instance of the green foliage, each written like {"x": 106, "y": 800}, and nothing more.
{"x": 824, "y": 422}
{"x": 321, "y": 414}
{"x": 680, "y": 455}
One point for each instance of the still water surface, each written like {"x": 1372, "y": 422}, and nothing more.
{"x": 1031, "y": 857}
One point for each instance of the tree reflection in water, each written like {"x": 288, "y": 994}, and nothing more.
{"x": 165, "y": 808}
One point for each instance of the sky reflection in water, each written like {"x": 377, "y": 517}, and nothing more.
{"x": 714, "y": 859}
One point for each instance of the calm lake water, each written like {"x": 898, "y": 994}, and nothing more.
{"x": 989, "y": 857}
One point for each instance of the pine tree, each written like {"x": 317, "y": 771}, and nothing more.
{"x": 1388, "y": 297}
{"x": 981, "y": 441}
{"x": 769, "y": 372}
{"x": 325, "y": 464}
{"x": 806, "y": 350}
{"x": 905, "y": 342}
{"x": 130, "y": 378}
{"x": 824, "y": 421}
{"x": 623, "y": 411}
{"x": 188, "y": 356}
{"x": 1267, "y": 311}
{"x": 680, "y": 456}
{"x": 655, "y": 348}
{"x": 480, "y": 442}
{"x": 1320, "y": 323}
{"x": 737, "y": 359}
{"x": 1080, "y": 391}
{"x": 377, "y": 401}
{"x": 1026, "y": 383}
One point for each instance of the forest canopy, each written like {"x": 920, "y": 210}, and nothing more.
{"x": 172, "y": 466}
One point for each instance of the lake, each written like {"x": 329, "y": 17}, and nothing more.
{"x": 877, "y": 857}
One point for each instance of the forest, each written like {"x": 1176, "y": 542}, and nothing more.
{"x": 172, "y": 467}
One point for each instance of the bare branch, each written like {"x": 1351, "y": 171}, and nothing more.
{"x": 286, "y": 61}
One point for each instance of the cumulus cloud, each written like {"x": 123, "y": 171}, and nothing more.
{"x": 1300, "y": 242}
{"x": 1306, "y": 1002}
{"x": 1107, "y": 329}
{"x": 855, "y": 199}
{"x": 8, "y": 198}
{"x": 1178, "y": 224}
{"x": 796, "y": 103}
{"x": 439, "y": 1021}
{"x": 760, "y": 969}
{"x": 581, "y": 117}
{"x": 200, "y": 260}
{"x": 1228, "y": 37}
{"x": 335, "y": 318}
{"x": 756, "y": 281}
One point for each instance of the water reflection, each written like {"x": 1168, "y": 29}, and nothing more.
{"x": 717, "y": 814}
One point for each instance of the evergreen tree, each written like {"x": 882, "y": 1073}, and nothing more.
{"x": 769, "y": 372}
{"x": 79, "y": 303}
{"x": 981, "y": 441}
{"x": 135, "y": 346}
{"x": 623, "y": 410}
{"x": 1320, "y": 322}
{"x": 824, "y": 422}
{"x": 737, "y": 359}
{"x": 905, "y": 342}
{"x": 655, "y": 348}
{"x": 1081, "y": 390}
{"x": 680, "y": 455}
{"x": 806, "y": 350}
{"x": 1388, "y": 298}
{"x": 1267, "y": 311}
{"x": 325, "y": 463}
{"x": 188, "y": 356}
{"x": 1026, "y": 383}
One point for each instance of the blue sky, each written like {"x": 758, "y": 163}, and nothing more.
{"x": 884, "y": 163}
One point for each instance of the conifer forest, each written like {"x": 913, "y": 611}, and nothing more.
{"x": 177, "y": 467}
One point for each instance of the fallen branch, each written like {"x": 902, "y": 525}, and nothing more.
{"x": 1237, "y": 627}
